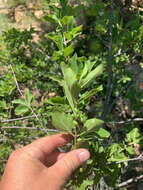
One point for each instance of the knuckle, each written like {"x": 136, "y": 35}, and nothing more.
{"x": 15, "y": 154}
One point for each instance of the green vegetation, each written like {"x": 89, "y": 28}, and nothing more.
{"x": 78, "y": 79}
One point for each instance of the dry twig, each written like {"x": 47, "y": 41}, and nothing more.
{"x": 18, "y": 88}
{"x": 29, "y": 128}
{"x": 129, "y": 181}
{"x": 124, "y": 122}
{"x": 139, "y": 158}
{"x": 21, "y": 118}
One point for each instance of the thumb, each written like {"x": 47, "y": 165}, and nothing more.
{"x": 68, "y": 163}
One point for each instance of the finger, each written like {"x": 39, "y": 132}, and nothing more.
{"x": 67, "y": 164}
{"x": 43, "y": 147}
{"x": 53, "y": 158}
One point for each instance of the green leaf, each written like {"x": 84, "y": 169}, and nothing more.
{"x": 69, "y": 75}
{"x": 94, "y": 73}
{"x": 87, "y": 68}
{"x": 68, "y": 95}
{"x": 85, "y": 184}
{"x": 100, "y": 28}
{"x": 56, "y": 100}
{"x": 90, "y": 93}
{"x": 75, "y": 89}
{"x": 76, "y": 31}
{"x": 21, "y": 109}
{"x": 93, "y": 124}
{"x": 57, "y": 79}
{"x": 63, "y": 122}
{"x": 130, "y": 150}
{"x": 28, "y": 96}
{"x": 102, "y": 133}
{"x": 68, "y": 36}
{"x": 70, "y": 24}
{"x": 68, "y": 20}
{"x": 73, "y": 64}
{"x": 134, "y": 136}
{"x": 82, "y": 59}
{"x": 114, "y": 149}
{"x": 53, "y": 36}
{"x": 68, "y": 50}
{"x": 119, "y": 157}
{"x": 84, "y": 72}
{"x": 60, "y": 42}
{"x": 3, "y": 104}
{"x": 19, "y": 101}
{"x": 71, "y": 86}
{"x": 71, "y": 34}
{"x": 57, "y": 55}
{"x": 57, "y": 38}
{"x": 54, "y": 18}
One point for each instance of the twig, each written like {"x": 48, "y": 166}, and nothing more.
{"x": 29, "y": 128}
{"x": 107, "y": 123}
{"x": 110, "y": 72}
{"x": 129, "y": 181}
{"x": 16, "y": 81}
{"x": 124, "y": 122}
{"x": 23, "y": 96}
{"x": 21, "y": 118}
{"x": 103, "y": 185}
{"x": 140, "y": 157}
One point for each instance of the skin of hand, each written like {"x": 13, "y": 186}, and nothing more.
{"x": 40, "y": 166}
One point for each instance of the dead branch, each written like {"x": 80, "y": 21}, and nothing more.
{"x": 124, "y": 122}
{"x": 18, "y": 88}
{"x": 139, "y": 158}
{"x": 29, "y": 128}
{"x": 129, "y": 181}
{"x": 21, "y": 118}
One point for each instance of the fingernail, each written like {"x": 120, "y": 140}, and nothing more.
{"x": 83, "y": 156}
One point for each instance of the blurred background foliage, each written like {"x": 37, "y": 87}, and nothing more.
{"x": 26, "y": 56}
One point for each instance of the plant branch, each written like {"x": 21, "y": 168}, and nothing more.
{"x": 21, "y": 118}
{"x": 129, "y": 181}
{"x": 140, "y": 157}
{"x": 17, "y": 85}
{"x": 110, "y": 72}
{"x": 28, "y": 128}
{"x": 18, "y": 88}
{"x": 124, "y": 122}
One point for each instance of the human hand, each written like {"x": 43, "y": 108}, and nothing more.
{"x": 40, "y": 166}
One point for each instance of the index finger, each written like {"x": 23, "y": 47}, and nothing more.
{"x": 42, "y": 147}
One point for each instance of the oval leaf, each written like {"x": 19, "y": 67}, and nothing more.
{"x": 94, "y": 73}
{"x": 93, "y": 124}
{"x": 102, "y": 133}
{"x": 28, "y": 96}
{"x": 21, "y": 109}
{"x": 19, "y": 101}
{"x": 63, "y": 122}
